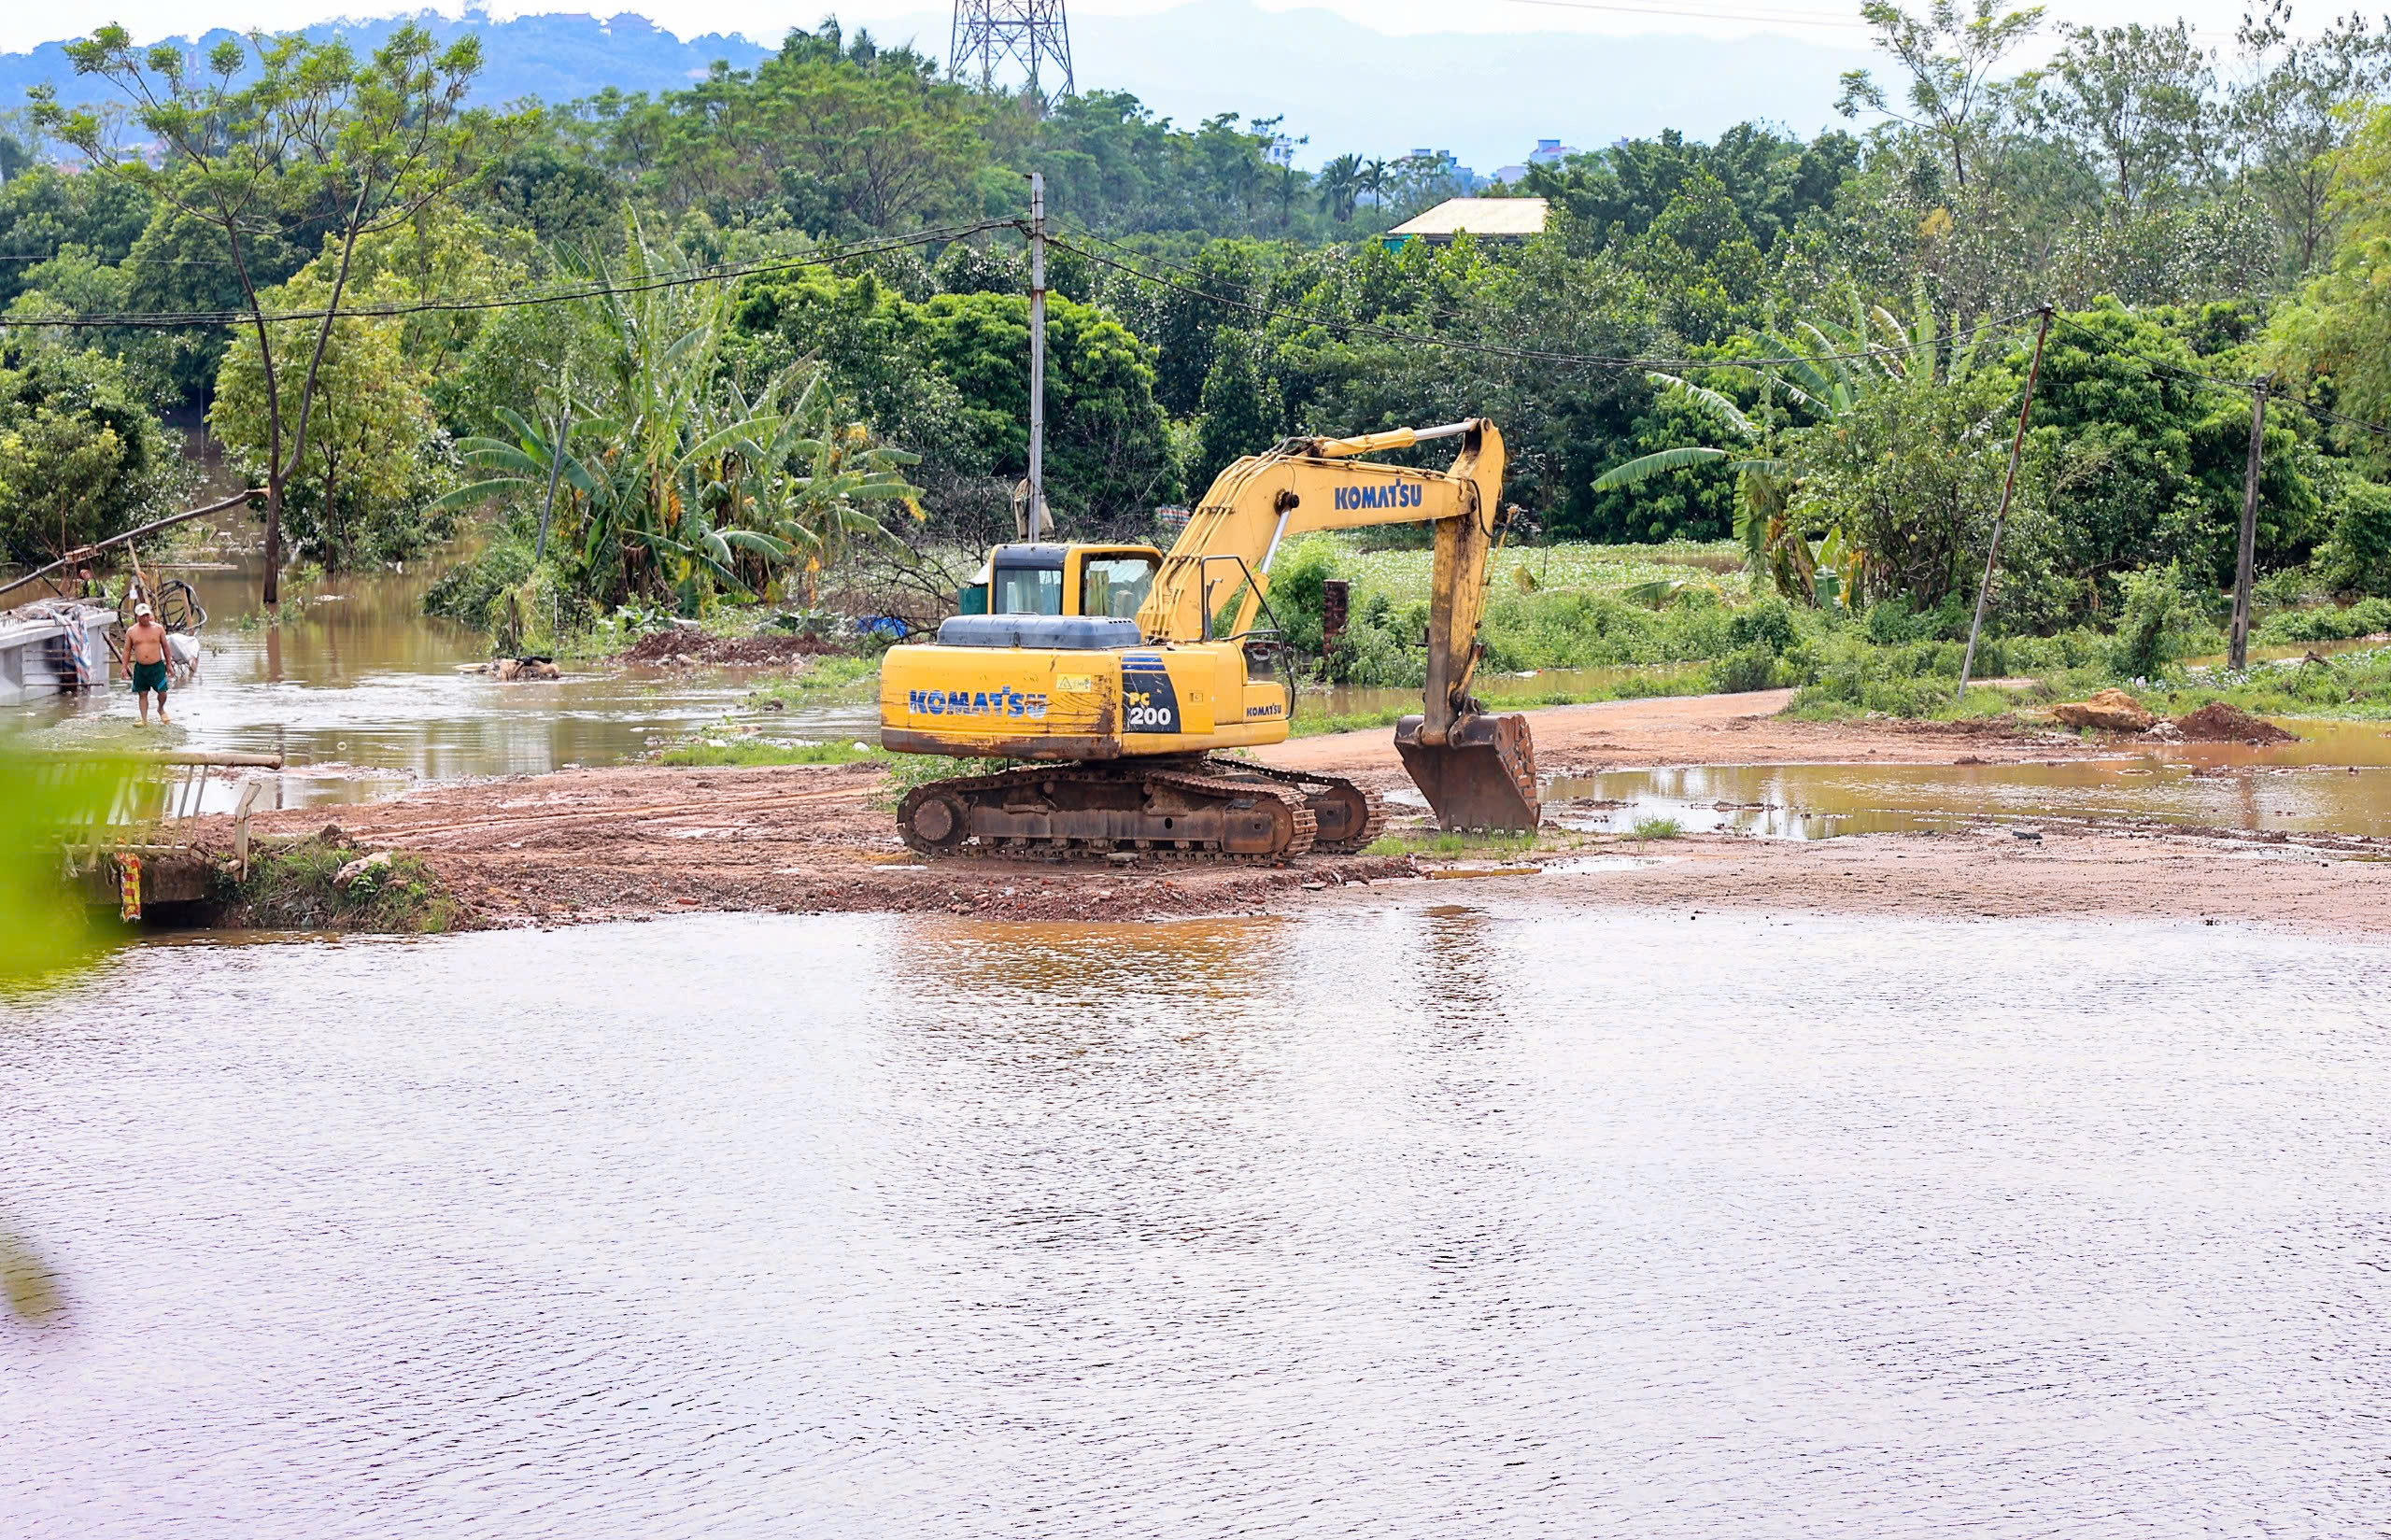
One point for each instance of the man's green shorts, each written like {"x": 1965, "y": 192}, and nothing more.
{"x": 149, "y": 676}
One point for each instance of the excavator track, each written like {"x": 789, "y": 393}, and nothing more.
{"x": 1350, "y": 816}
{"x": 1201, "y": 810}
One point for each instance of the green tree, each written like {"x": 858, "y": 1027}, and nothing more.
{"x": 81, "y": 456}
{"x": 844, "y": 137}
{"x": 1908, "y": 468}
{"x": 76, "y": 283}
{"x": 2338, "y": 333}
{"x": 1950, "y": 54}
{"x": 1108, "y": 459}
{"x": 43, "y": 211}
{"x": 369, "y": 466}
{"x": 2134, "y": 101}
{"x": 2357, "y": 557}
{"x": 2296, "y": 111}
{"x": 1242, "y": 414}
{"x": 269, "y": 129}
{"x": 674, "y": 480}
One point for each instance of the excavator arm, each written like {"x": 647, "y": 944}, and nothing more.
{"x": 1478, "y": 771}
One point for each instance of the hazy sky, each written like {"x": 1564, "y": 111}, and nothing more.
{"x": 22, "y": 25}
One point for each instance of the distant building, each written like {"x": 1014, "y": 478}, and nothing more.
{"x": 1486, "y": 219}
{"x": 1441, "y": 163}
{"x": 1547, "y": 152}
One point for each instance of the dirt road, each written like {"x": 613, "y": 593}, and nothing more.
{"x": 639, "y": 841}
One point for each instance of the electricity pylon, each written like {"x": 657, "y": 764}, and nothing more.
{"x": 1034, "y": 33}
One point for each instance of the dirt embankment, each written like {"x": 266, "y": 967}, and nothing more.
{"x": 642, "y": 840}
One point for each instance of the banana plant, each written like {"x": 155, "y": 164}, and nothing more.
{"x": 678, "y": 481}
{"x": 1763, "y": 489}
{"x": 1823, "y": 368}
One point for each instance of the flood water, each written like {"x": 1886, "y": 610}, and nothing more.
{"x": 362, "y": 694}
{"x": 2235, "y": 787}
{"x": 1463, "y": 1219}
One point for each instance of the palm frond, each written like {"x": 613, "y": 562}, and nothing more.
{"x": 1645, "y": 467}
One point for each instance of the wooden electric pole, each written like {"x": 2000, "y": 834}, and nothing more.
{"x": 2238, "y": 655}
{"x": 1038, "y": 519}
{"x": 1992, "y": 551}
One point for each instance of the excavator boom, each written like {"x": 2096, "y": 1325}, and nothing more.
{"x": 1477, "y": 771}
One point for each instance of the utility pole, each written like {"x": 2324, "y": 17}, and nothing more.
{"x": 1992, "y": 551}
{"x": 2238, "y": 657}
{"x": 1036, "y": 354}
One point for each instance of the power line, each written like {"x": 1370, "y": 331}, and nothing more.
{"x": 2221, "y": 382}
{"x": 1529, "y": 355}
{"x": 177, "y": 321}
{"x": 1789, "y": 18}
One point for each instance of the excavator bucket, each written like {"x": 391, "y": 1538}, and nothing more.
{"x": 1483, "y": 776}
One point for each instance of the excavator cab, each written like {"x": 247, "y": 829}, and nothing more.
{"x": 1050, "y": 578}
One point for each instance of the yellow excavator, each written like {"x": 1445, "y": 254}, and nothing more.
{"x": 1120, "y": 672}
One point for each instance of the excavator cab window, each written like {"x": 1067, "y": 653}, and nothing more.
{"x": 1116, "y": 585}
{"x": 1027, "y": 590}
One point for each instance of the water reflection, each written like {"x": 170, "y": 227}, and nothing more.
{"x": 2225, "y": 786}
{"x": 1458, "y": 1221}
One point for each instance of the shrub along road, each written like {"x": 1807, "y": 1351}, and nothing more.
{"x": 636, "y": 842}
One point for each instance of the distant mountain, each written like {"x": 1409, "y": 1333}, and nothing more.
{"x": 1486, "y": 96}
{"x": 555, "y": 58}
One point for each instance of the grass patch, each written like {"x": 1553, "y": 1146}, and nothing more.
{"x": 756, "y": 751}
{"x": 1406, "y": 575}
{"x": 908, "y": 770}
{"x": 2349, "y": 686}
{"x": 829, "y": 674}
{"x": 2353, "y": 685}
{"x": 297, "y": 888}
{"x": 1688, "y": 680}
{"x": 1657, "y": 829}
{"x": 1451, "y": 844}
{"x": 1923, "y": 701}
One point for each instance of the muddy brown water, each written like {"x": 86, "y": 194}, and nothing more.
{"x": 1467, "y": 1219}
{"x": 2336, "y": 780}
{"x": 362, "y": 694}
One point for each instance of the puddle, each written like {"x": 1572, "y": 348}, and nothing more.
{"x": 361, "y": 696}
{"x": 2228, "y": 787}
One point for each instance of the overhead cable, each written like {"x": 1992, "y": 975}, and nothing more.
{"x": 1530, "y": 355}
{"x": 2222, "y": 382}
{"x": 596, "y": 289}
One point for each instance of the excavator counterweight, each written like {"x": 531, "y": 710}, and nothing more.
{"x": 1119, "y": 672}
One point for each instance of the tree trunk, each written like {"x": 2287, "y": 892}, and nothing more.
{"x": 273, "y": 591}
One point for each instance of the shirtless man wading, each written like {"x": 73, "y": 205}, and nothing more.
{"x": 144, "y": 660}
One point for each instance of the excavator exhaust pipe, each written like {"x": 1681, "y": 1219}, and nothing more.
{"x": 1482, "y": 777}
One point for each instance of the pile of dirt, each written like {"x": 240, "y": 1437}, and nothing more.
{"x": 687, "y": 644}
{"x": 2112, "y": 709}
{"x": 2218, "y": 723}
